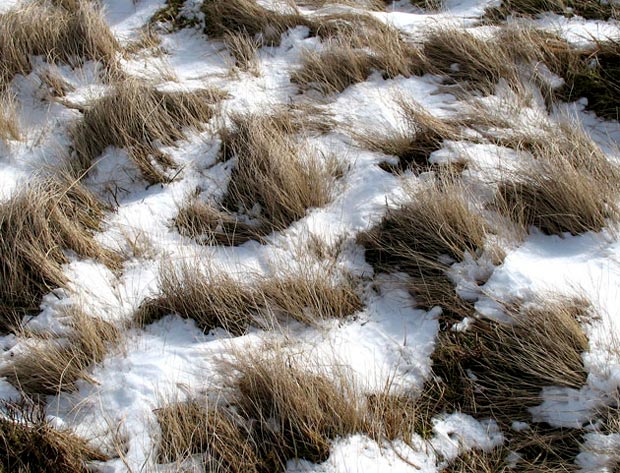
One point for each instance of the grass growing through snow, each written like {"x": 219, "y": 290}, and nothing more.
{"x": 589, "y": 9}
{"x": 54, "y": 363}
{"x": 57, "y": 32}
{"x": 30, "y": 444}
{"x": 420, "y": 135}
{"x": 437, "y": 222}
{"x": 37, "y": 224}
{"x": 135, "y": 116}
{"x": 275, "y": 169}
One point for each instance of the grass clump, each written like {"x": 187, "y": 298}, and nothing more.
{"x": 276, "y": 179}
{"x": 248, "y": 17}
{"x": 244, "y": 49}
{"x": 37, "y": 225}
{"x": 589, "y": 9}
{"x": 414, "y": 142}
{"x": 136, "y": 116}
{"x": 55, "y": 362}
{"x": 194, "y": 427}
{"x": 171, "y": 13}
{"x": 30, "y": 444}
{"x": 55, "y": 31}
{"x": 423, "y": 237}
{"x": 354, "y": 46}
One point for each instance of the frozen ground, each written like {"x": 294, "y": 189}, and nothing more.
{"x": 386, "y": 340}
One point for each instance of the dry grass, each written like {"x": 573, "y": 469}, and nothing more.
{"x": 9, "y": 124}
{"x": 414, "y": 142}
{"x": 294, "y": 413}
{"x": 60, "y": 34}
{"x": 428, "y": 4}
{"x": 244, "y": 49}
{"x": 248, "y": 17}
{"x": 211, "y": 298}
{"x": 499, "y": 369}
{"x": 30, "y": 444}
{"x": 214, "y": 299}
{"x": 375, "y": 5}
{"x": 597, "y": 77}
{"x": 193, "y": 427}
{"x": 135, "y": 116}
{"x": 171, "y": 13}
{"x": 437, "y": 222}
{"x": 275, "y": 170}
{"x": 55, "y": 363}
{"x": 570, "y": 187}
{"x": 590, "y": 9}
{"x": 37, "y": 224}
{"x": 354, "y": 46}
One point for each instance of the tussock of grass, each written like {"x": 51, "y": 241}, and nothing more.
{"x": 52, "y": 364}
{"x": 414, "y": 142}
{"x": 428, "y": 4}
{"x": 135, "y": 116}
{"x": 355, "y": 45}
{"x": 36, "y": 225}
{"x": 275, "y": 170}
{"x": 248, "y": 17}
{"x": 9, "y": 125}
{"x": 597, "y": 77}
{"x": 171, "y": 13}
{"x": 511, "y": 361}
{"x": 213, "y": 299}
{"x": 56, "y": 32}
{"x": 193, "y": 427}
{"x": 590, "y": 9}
{"x": 437, "y": 222}
{"x": 30, "y": 444}
{"x": 570, "y": 187}
{"x": 376, "y": 5}
{"x": 295, "y": 413}
{"x": 244, "y": 49}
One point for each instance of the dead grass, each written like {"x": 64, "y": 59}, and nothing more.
{"x": 171, "y": 13}
{"x": 193, "y": 427}
{"x": 570, "y": 187}
{"x": 30, "y": 444}
{"x": 244, "y": 49}
{"x": 60, "y": 34}
{"x": 248, "y": 17}
{"x": 135, "y": 116}
{"x": 294, "y": 413}
{"x": 420, "y": 135}
{"x": 437, "y": 222}
{"x": 375, "y": 5}
{"x": 37, "y": 225}
{"x": 9, "y": 124}
{"x": 211, "y": 298}
{"x": 50, "y": 364}
{"x": 354, "y": 45}
{"x": 275, "y": 170}
{"x": 498, "y": 369}
{"x": 433, "y": 5}
{"x": 589, "y": 9}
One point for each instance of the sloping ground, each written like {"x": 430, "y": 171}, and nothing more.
{"x": 264, "y": 236}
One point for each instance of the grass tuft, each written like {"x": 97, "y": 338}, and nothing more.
{"x": 30, "y": 444}
{"x": 37, "y": 225}
{"x": 136, "y": 116}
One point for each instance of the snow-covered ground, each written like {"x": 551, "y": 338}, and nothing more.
{"x": 388, "y": 341}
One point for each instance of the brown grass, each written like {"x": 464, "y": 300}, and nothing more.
{"x": 244, "y": 49}
{"x": 9, "y": 122}
{"x": 375, "y": 5}
{"x": 354, "y": 46}
{"x": 210, "y": 297}
{"x": 570, "y": 187}
{"x": 590, "y": 9}
{"x": 37, "y": 224}
{"x": 436, "y": 222}
{"x": 135, "y": 116}
{"x": 193, "y": 427}
{"x": 248, "y": 17}
{"x": 284, "y": 176}
{"x": 30, "y": 444}
{"x": 55, "y": 363}
{"x": 60, "y": 34}
{"x": 414, "y": 142}
{"x": 295, "y": 414}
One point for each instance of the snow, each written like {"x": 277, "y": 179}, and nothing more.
{"x": 389, "y": 342}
